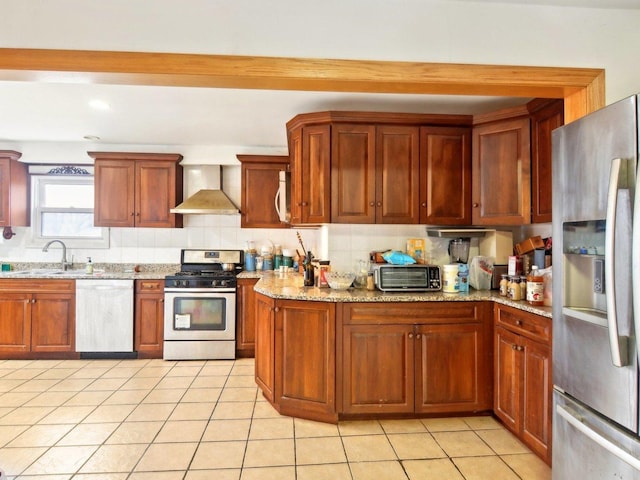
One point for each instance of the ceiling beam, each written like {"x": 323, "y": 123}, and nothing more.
{"x": 582, "y": 88}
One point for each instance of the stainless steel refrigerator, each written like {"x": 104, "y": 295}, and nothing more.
{"x": 596, "y": 288}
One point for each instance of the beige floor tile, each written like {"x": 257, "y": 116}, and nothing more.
{"x": 25, "y": 373}
{"x": 183, "y": 431}
{"x": 61, "y": 460}
{"x": 215, "y": 370}
{"x": 35, "y": 386}
{"x": 362, "y": 427}
{"x": 270, "y": 453}
{"x": 152, "y": 372}
{"x": 123, "y": 397}
{"x": 114, "y": 459}
{"x": 89, "y": 372}
{"x": 368, "y": 448}
{"x": 50, "y": 399}
{"x": 481, "y": 468}
{"x": 71, "y": 385}
{"x": 389, "y": 470}
{"x": 310, "y": 451}
{"x": 308, "y": 428}
{"x": 167, "y": 456}
{"x": 16, "y": 399}
{"x": 7, "y": 384}
{"x": 109, "y": 413}
{"x": 47, "y": 477}
{"x": 403, "y": 426}
{"x": 215, "y": 455}
{"x": 108, "y": 384}
{"x": 192, "y": 411}
{"x": 209, "y": 382}
{"x": 411, "y": 446}
{"x": 175, "y": 382}
{"x": 233, "y": 410}
{"x": 486, "y": 422}
{"x": 244, "y": 394}
{"x": 245, "y": 370}
{"x": 217, "y": 474}
{"x": 174, "y": 475}
{"x": 528, "y": 466}
{"x": 140, "y": 383}
{"x": 88, "y": 434}
{"x": 269, "y": 473}
{"x": 135, "y": 432}
{"x": 225, "y": 430}
{"x": 462, "y": 444}
{"x": 121, "y": 372}
{"x": 9, "y": 432}
{"x": 445, "y": 424}
{"x": 261, "y": 410}
{"x": 16, "y": 460}
{"x": 57, "y": 373}
{"x": 168, "y": 395}
{"x": 25, "y": 415}
{"x": 201, "y": 395}
{"x": 180, "y": 371}
{"x": 89, "y": 398}
{"x": 432, "y": 469}
{"x": 97, "y": 476}
{"x": 151, "y": 411}
{"x": 338, "y": 471}
{"x": 502, "y": 441}
{"x": 67, "y": 414}
{"x": 5, "y": 410}
{"x": 239, "y": 381}
{"x": 41, "y": 436}
{"x": 269, "y": 428}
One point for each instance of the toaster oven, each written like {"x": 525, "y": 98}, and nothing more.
{"x": 407, "y": 278}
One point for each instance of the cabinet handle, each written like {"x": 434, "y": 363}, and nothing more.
{"x": 411, "y": 335}
{"x": 518, "y": 322}
{"x": 476, "y": 205}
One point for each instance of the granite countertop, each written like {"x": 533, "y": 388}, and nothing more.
{"x": 289, "y": 286}
{"x": 124, "y": 271}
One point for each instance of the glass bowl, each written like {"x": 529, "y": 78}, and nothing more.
{"x": 340, "y": 280}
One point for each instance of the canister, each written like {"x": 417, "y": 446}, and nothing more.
{"x": 450, "y": 278}
{"x": 324, "y": 267}
{"x": 463, "y": 278}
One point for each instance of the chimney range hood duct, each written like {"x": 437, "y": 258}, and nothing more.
{"x": 203, "y": 186}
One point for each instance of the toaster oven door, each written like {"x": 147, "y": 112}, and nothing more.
{"x": 417, "y": 278}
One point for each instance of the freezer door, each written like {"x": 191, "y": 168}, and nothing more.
{"x": 585, "y": 446}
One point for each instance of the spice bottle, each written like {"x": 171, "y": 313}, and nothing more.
{"x": 371, "y": 284}
{"x": 504, "y": 284}
{"x": 514, "y": 288}
{"x": 535, "y": 287}
{"x": 523, "y": 287}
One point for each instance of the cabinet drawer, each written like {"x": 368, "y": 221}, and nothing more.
{"x": 149, "y": 286}
{"x": 530, "y": 325}
{"x": 408, "y": 313}
{"x": 37, "y": 285}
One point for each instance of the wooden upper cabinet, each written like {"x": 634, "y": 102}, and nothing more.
{"x": 137, "y": 189}
{"x": 545, "y": 117}
{"x": 501, "y": 172}
{"x": 259, "y": 185}
{"x": 310, "y": 168}
{"x": 14, "y": 200}
{"x": 445, "y": 175}
{"x": 353, "y": 181}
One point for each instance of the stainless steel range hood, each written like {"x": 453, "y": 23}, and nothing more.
{"x": 203, "y": 188}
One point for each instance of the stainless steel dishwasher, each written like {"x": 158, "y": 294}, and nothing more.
{"x": 104, "y": 316}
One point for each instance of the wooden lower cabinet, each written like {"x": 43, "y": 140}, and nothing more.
{"x": 37, "y": 317}
{"x": 148, "y": 330}
{"x": 246, "y": 318}
{"x": 265, "y": 345}
{"x": 407, "y": 358}
{"x": 523, "y": 383}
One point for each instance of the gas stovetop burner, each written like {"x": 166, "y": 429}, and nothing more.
{"x": 204, "y": 269}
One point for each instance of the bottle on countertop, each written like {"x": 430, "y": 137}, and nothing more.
{"x": 535, "y": 287}
{"x": 309, "y": 274}
{"x": 504, "y": 284}
{"x": 89, "y": 266}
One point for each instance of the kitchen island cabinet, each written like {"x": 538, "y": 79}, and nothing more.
{"x": 148, "y": 327}
{"x": 37, "y": 318}
{"x": 523, "y": 383}
{"x": 137, "y": 189}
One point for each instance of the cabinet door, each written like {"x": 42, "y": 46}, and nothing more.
{"x": 543, "y": 122}
{"x": 445, "y": 176}
{"x": 507, "y": 378}
{"x": 305, "y": 357}
{"x": 14, "y": 197}
{"x": 452, "y": 369}
{"x": 260, "y": 183}
{"x": 53, "y": 322}
{"x": 246, "y": 318}
{"x": 397, "y": 174}
{"x": 15, "y": 322}
{"x": 265, "y": 330}
{"x": 148, "y": 338}
{"x": 537, "y": 397}
{"x": 501, "y": 173}
{"x": 378, "y": 369}
{"x": 114, "y": 193}
{"x": 155, "y": 194}
{"x": 310, "y": 149}
{"x": 353, "y": 167}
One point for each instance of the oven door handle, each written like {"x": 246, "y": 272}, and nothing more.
{"x": 199, "y": 290}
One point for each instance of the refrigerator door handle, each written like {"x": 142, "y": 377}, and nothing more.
{"x": 616, "y": 343}
{"x": 635, "y": 265}
{"x": 574, "y": 420}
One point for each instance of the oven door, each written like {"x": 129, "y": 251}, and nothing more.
{"x": 199, "y": 314}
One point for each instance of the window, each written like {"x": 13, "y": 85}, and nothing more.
{"x": 62, "y": 208}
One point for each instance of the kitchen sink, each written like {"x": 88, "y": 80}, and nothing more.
{"x": 45, "y": 272}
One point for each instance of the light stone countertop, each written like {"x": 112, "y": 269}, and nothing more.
{"x": 289, "y": 286}
{"x": 110, "y": 271}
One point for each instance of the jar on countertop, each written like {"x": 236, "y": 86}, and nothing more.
{"x": 504, "y": 284}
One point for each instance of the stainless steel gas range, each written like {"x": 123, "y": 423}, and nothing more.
{"x": 200, "y": 306}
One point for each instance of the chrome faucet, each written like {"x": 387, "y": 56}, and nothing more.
{"x": 63, "y": 262}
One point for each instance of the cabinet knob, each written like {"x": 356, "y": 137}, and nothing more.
{"x": 379, "y": 204}
{"x": 33, "y": 300}
{"x": 162, "y": 300}
{"x": 520, "y": 348}
{"x": 133, "y": 214}
{"x": 423, "y": 204}
{"x": 276, "y": 309}
{"x": 138, "y": 214}
{"x": 372, "y": 204}
{"x": 518, "y": 322}
{"x": 417, "y": 335}
{"x": 476, "y": 205}
{"x": 514, "y": 347}
{"x": 411, "y": 335}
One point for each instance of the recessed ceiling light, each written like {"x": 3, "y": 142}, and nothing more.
{"x": 99, "y": 105}
{"x": 91, "y": 138}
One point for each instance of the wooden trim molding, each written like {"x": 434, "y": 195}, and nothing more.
{"x": 582, "y": 88}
